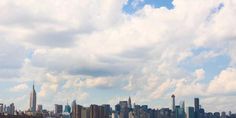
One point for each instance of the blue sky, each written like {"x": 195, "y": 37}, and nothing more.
{"x": 105, "y": 51}
{"x": 133, "y": 5}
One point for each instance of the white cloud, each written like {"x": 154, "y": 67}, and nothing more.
{"x": 47, "y": 89}
{"x": 162, "y": 89}
{"x": 98, "y": 82}
{"x": 190, "y": 88}
{"x": 223, "y": 103}
{"x": 224, "y": 83}
{"x": 200, "y": 74}
{"x": 19, "y": 88}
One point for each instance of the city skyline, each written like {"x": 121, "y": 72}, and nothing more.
{"x": 103, "y": 51}
{"x": 123, "y": 109}
{"x": 128, "y": 102}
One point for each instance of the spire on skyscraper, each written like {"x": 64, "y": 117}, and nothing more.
{"x": 33, "y": 84}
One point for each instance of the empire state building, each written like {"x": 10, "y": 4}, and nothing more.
{"x": 33, "y": 100}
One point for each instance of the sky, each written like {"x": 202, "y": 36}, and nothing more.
{"x": 103, "y": 51}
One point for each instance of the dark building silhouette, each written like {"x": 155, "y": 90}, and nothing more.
{"x": 196, "y": 107}
{"x": 217, "y": 114}
{"x": 202, "y": 113}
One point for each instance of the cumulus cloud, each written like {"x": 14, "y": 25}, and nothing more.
{"x": 222, "y": 102}
{"x": 224, "y": 83}
{"x": 47, "y": 89}
{"x": 19, "y": 88}
{"x": 100, "y": 82}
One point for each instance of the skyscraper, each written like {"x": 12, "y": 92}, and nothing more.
{"x": 196, "y": 104}
{"x": 73, "y": 105}
{"x": 101, "y": 112}
{"x": 94, "y": 111}
{"x": 117, "y": 108}
{"x": 67, "y": 108}
{"x": 33, "y": 100}
{"x": 190, "y": 112}
{"x": 12, "y": 109}
{"x": 196, "y": 107}
{"x": 58, "y": 109}
{"x": 182, "y": 106}
{"x": 179, "y": 112}
{"x": 1, "y": 108}
{"x": 85, "y": 113}
{"x": 173, "y": 102}
{"x": 107, "y": 110}
{"x": 78, "y": 111}
{"x": 124, "y": 111}
{"x": 129, "y": 103}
